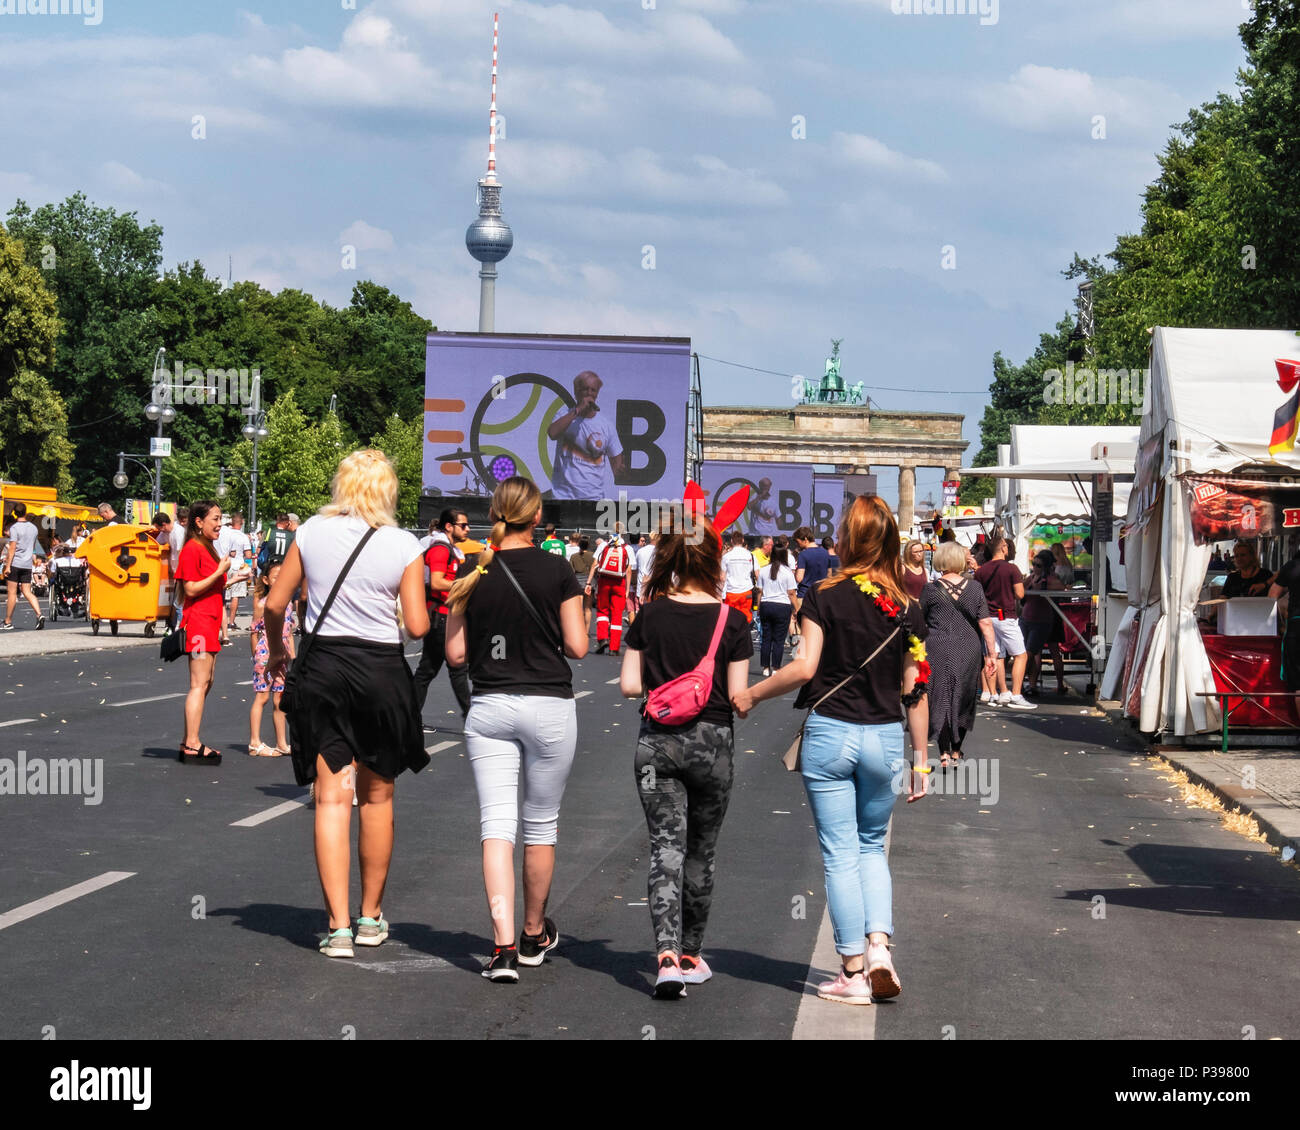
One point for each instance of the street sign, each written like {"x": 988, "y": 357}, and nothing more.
{"x": 160, "y": 446}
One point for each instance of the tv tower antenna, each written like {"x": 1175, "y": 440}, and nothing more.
{"x": 489, "y": 238}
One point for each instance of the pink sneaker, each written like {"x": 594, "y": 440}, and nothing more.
{"x": 846, "y": 989}
{"x": 695, "y": 970}
{"x": 670, "y": 985}
{"x": 881, "y": 973}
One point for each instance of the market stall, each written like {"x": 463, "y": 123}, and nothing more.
{"x": 1204, "y": 474}
{"x": 1040, "y": 499}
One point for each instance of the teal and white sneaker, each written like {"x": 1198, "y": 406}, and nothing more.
{"x": 372, "y": 931}
{"x": 338, "y": 944}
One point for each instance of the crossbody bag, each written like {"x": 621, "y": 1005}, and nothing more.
{"x": 793, "y": 758}
{"x": 293, "y": 677}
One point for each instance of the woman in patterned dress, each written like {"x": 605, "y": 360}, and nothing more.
{"x": 264, "y": 688}
{"x": 957, "y": 615}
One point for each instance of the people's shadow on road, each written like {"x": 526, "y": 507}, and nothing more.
{"x": 634, "y": 969}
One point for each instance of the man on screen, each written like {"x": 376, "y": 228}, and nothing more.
{"x": 588, "y": 454}
{"x": 762, "y": 510}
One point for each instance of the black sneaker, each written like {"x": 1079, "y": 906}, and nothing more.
{"x": 503, "y": 965}
{"x": 534, "y": 948}
{"x": 40, "y": 623}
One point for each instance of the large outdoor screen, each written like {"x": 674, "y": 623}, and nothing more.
{"x": 780, "y": 497}
{"x": 583, "y": 417}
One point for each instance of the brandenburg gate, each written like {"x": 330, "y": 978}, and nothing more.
{"x": 830, "y": 425}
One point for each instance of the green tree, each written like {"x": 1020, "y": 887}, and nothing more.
{"x": 102, "y": 268}
{"x": 29, "y": 321}
{"x": 34, "y": 434}
{"x": 403, "y": 443}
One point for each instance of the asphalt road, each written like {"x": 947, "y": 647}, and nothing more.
{"x": 212, "y": 930}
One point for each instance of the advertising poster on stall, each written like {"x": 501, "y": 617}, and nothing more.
{"x": 829, "y": 505}
{"x": 140, "y": 511}
{"x": 1229, "y": 509}
{"x": 780, "y": 498}
{"x": 583, "y": 417}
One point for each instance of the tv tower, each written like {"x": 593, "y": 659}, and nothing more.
{"x": 489, "y": 238}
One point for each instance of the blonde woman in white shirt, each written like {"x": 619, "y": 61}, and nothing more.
{"x": 355, "y": 723}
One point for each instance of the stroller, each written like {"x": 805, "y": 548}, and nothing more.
{"x": 68, "y": 591}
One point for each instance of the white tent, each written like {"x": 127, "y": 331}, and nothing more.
{"x": 1211, "y": 399}
{"x": 1066, "y": 498}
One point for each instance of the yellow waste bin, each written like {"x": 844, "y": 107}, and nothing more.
{"x": 128, "y": 577}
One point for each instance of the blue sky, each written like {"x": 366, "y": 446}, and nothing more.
{"x": 331, "y": 123}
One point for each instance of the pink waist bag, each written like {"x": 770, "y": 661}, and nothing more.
{"x": 684, "y": 698}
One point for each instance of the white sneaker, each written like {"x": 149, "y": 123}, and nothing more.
{"x": 986, "y": 698}
{"x": 1003, "y": 699}
{"x": 1019, "y": 702}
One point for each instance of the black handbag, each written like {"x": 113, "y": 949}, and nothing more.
{"x": 173, "y": 646}
{"x": 293, "y": 676}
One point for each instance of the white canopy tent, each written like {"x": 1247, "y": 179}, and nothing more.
{"x": 1211, "y": 399}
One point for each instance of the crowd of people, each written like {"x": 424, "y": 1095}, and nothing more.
{"x": 879, "y": 645}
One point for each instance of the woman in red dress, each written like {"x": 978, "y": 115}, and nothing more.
{"x": 202, "y": 573}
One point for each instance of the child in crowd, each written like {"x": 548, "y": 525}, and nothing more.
{"x": 264, "y": 688}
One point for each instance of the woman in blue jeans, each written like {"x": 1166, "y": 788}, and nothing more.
{"x": 853, "y": 766}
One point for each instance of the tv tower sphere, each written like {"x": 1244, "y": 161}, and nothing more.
{"x": 489, "y": 238}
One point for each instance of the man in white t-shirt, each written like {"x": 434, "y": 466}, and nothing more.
{"x": 588, "y": 454}
{"x": 232, "y": 542}
{"x": 740, "y": 576}
{"x": 20, "y": 559}
{"x": 642, "y": 562}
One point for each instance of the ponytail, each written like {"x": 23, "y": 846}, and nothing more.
{"x": 514, "y": 506}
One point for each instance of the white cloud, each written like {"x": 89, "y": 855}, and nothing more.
{"x": 121, "y": 178}
{"x": 1048, "y": 98}
{"x": 868, "y": 153}
{"x": 364, "y": 237}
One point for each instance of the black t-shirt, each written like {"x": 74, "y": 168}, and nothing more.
{"x": 853, "y": 628}
{"x": 508, "y": 652}
{"x": 1289, "y": 578}
{"x": 1237, "y": 585}
{"x": 672, "y": 636}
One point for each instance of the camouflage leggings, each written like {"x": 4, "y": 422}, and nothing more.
{"x": 684, "y": 782}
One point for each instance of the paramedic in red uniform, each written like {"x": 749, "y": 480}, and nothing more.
{"x": 609, "y": 573}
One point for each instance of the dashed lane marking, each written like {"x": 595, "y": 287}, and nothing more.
{"x": 49, "y": 902}
{"x": 271, "y": 813}
{"x": 18, "y": 722}
{"x": 440, "y": 747}
{"x": 582, "y": 694}
{"x": 154, "y": 698}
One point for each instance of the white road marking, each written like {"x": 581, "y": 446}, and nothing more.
{"x": 440, "y": 747}
{"x": 611, "y": 682}
{"x": 582, "y": 694}
{"x": 18, "y": 722}
{"x": 271, "y": 813}
{"x": 245, "y": 683}
{"x": 49, "y": 902}
{"x": 822, "y": 1020}
{"x": 155, "y": 698}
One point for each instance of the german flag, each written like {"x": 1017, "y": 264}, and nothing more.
{"x": 1286, "y": 420}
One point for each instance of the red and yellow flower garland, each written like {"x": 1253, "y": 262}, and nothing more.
{"x": 915, "y": 647}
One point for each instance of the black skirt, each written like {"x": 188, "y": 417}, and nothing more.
{"x": 355, "y": 701}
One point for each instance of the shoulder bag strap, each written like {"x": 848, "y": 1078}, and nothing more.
{"x": 717, "y": 633}
{"x": 859, "y": 667}
{"x": 532, "y": 611}
{"x": 329, "y": 600}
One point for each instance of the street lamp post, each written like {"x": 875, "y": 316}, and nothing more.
{"x": 256, "y": 431}
{"x": 158, "y": 410}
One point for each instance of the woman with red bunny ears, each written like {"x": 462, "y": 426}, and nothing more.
{"x": 688, "y": 652}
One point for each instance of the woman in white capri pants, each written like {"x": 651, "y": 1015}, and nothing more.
{"x": 521, "y": 714}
